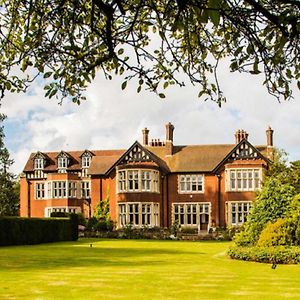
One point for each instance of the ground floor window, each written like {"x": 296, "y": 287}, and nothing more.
{"x": 138, "y": 214}
{"x": 191, "y": 214}
{"x": 238, "y": 212}
{"x": 68, "y": 209}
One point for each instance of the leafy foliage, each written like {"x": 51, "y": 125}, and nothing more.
{"x": 9, "y": 189}
{"x": 67, "y": 42}
{"x": 102, "y": 210}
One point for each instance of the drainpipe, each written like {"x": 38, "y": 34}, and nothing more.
{"x": 28, "y": 199}
{"x": 167, "y": 200}
{"x": 218, "y": 221}
{"x": 162, "y": 201}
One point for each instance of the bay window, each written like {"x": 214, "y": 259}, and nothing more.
{"x": 138, "y": 214}
{"x": 138, "y": 180}
{"x": 243, "y": 179}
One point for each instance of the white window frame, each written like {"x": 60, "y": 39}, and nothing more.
{"x": 40, "y": 190}
{"x": 138, "y": 214}
{"x": 137, "y": 181}
{"x": 85, "y": 187}
{"x": 191, "y": 183}
{"x": 39, "y": 163}
{"x": 237, "y": 212}
{"x": 86, "y": 161}
{"x": 182, "y": 210}
{"x": 69, "y": 209}
{"x": 59, "y": 189}
{"x": 243, "y": 179}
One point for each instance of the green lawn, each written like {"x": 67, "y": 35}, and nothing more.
{"x": 135, "y": 269}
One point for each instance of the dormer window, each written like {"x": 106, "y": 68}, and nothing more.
{"x": 62, "y": 162}
{"x": 39, "y": 164}
{"x": 86, "y": 161}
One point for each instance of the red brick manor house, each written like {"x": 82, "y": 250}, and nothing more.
{"x": 154, "y": 183}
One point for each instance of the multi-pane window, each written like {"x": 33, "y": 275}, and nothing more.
{"x": 146, "y": 181}
{"x": 85, "y": 189}
{"x": 191, "y": 183}
{"x": 59, "y": 189}
{"x": 39, "y": 164}
{"x": 191, "y": 214}
{"x": 133, "y": 213}
{"x": 40, "y": 190}
{"x": 146, "y": 214}
{"x": 72, "y": 189}
{"x": 62, "y": 162}
{"x": 67, "y": 209}
{"x": 133, "y": 180}
{"x": 244, "y": 179}
{"x": 122, "y": 215}
{"x": 85, "y": 161}
{"x": 238, "y": 212}
{"x": 122, "y": 181}
{"x": 138, "y": 181}
{"x": 138, "y": 214}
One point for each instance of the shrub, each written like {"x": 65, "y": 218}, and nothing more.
{"x": 282, "y": 232}
{"x": 278, "y": 254}
{"x": 22, "y": 231}
{"x": 188, "y": 230}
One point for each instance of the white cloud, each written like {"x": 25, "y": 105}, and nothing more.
{"x": 111, "y": 118}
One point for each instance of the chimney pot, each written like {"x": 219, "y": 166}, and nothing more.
{"x": 145, "y": 132}
{"x": 269, "y": 133}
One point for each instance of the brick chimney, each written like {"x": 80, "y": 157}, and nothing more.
{"x": 145, "y": 132}
{"x": 169, "y": 139}
{"x": 269, "y": 133}
{"x": 240, "y": 135}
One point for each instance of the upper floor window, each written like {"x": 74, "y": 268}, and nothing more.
{"x": 59, "y": 189}
{"x": 244, "y": 179}
{"x": 85, "y": 189}
{"x": 40, "y": 190}
{"x": 85, "y": 161}
{"x": 62, "y": 162}
{"x": 191, "y": 183}
{"x": 138, "y": 180}
{"x": 39, "y": 164}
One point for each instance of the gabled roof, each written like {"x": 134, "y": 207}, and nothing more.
{"x": 142, "y": 155}
{"x": 186, "y": 158}
{"x": 243, "y": 150}
{"x": 75, "y": 163}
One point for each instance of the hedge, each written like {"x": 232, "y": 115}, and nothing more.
{"x": 277, "y": 254}
{"x": 28, "y": 231}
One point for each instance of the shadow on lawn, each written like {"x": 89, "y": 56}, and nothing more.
{"x": 68, "y": 255}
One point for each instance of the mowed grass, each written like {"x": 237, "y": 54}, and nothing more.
{"x": 137, "y": 269}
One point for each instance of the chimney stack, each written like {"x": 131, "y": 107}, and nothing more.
{"x": 240, "y": 135}
{"x": 169, "y": 139}
{"x": 269, "y": 133}
{"x": 145, "y": 136}
{"x": 169, "y": 132}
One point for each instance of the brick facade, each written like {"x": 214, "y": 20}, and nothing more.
{"x": 152, "y": 184}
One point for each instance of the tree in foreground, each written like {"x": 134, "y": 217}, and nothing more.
{"x": 9, "y": 189}
{"x": 273, "y": 225}
{"x": 68, "y": 41}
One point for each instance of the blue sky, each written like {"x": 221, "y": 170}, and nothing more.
{"x": 112, "y": 118}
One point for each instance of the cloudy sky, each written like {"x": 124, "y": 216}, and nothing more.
{"x": 113, "y": 119}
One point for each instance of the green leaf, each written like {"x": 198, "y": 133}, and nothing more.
{"x": 213, "y": 11}
{"x": 47, "y": 74}
{"x": 124, "y": 84}
{"x": 139, "y": 89}
{"x": 166, "y": 84}
{"x": 121, "y": 51}
{"x": 161, "y": 95}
